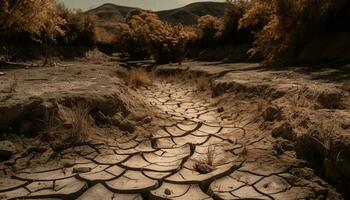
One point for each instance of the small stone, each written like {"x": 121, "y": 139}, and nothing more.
{"x": 7, "y": 150}
{"x": 271, "y": 113}
{"x": 221, "y": 109}
{"x": 9, "y": 163}
{"x": 167, "y": 191}
{"x": 204, "y": 168}
{"x": 345, "y": 125}
{"x": 285, "y": 131}
{"x": 126, "y": 125}
{"x": 2, "y": 73}
{"x": 330, "y": 100}
{"x": 147, "y": 120}
{"x": 67, "y": 163}
{"x": 82, "y": 170}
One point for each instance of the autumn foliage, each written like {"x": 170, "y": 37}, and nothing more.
{"x": 38, "y": 18}
{"x": 144, "y": 34}
{"x": 283, "y": 27}
{"x": 79, "y": 29}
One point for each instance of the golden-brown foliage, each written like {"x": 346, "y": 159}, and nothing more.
{"x": 80, "y": 29}
{"x": 234, "y": 12}
{"x": 38, "y": 18}
{"x": 213, "y": 31}
{"x": 209, "y": 28}
{"x": 145, "y": 34}
{"x": 283, "y": 26}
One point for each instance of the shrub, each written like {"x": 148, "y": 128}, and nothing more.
{"x": 144, "y": 35}
{"x": 28, "y": 22}
{"x": 209, "y": 29}
{"x": 282, "y": 27}
{"x": 80, "y": 29}
{"x": 39, "y": 18}
{"x": 229, "y": 30}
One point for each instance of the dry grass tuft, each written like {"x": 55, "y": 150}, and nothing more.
{"x": 10, "y": 91}
{"x": 205, "y": 166}
{"x": 211, "y": 155}
{"x": 80, "y": 123}
{"x": 139, "y": 77}
{"x": 203, "y": 84}
{"x": 74, "y": 129}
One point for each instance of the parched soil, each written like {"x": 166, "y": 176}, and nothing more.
{"x": 228, "y": 135}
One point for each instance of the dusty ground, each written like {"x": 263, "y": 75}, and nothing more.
{"x": 242, "y": 138}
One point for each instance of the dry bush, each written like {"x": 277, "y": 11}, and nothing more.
{"x": 36, "y": 17}
{"x": 80, "y": 29}
{"x": 139, "y": 77}
{"x": 282, "y": 27}
{"x": 209, "y": 28}
{"x": 25, "y": 21}
{"x": 230, "y": 29}
{"x": 144, "y": 35}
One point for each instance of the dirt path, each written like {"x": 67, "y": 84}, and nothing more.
{"x": 200, "y": 153}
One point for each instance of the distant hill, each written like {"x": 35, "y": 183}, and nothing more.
{"x": 189, "y": 14}
{"x": 186, "y": 15}
{"x": 110, "y": 12}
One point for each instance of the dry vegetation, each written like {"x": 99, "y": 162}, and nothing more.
{"x": 144, "y": 35}
{"x": 75, "y": 128}
{"x": 39, "y": 25}
{"x": 276, "y": 30}
{"x": 282, "y": 27}
{"x": 139, "y": 77}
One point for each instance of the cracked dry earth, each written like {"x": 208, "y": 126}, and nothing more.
{"x": 200, "y": 153}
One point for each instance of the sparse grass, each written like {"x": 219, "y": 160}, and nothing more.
{"x": 10, "y": 90}
{"x": 300, "y": 98}
{"x": 74, "y": 130}
{"x": 244, "y": 149}
{"x": 327, "y": 129}
{"x": 211, "y": 155}
{"x": 80, "y": 123}
{"x": 260, "y": 105}
{"x": 139, "y": 77}
{"x": 203, "y": 83}
{"x": 206, "y": 165}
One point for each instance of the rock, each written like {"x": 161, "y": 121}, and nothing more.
{"x": 271, "y": 113}
{"x": 345, "y": 125}
{"x": 2, "y": 73}
{"x": 116, "y": 119}
{"x": 137, "y": 116}
{"x": 221, "y": 109}
{"x": 204, "y": 168}
{"x": 67, "y": 163}
{"x": 330, "y": 100}
{"x": 167, "y": 191}
{"x": 9, "y": 163}
{"x": 126, "y": 125}
{"x": 147, "y": 120}
{"x": 82, "y": 170}
{"x": 284, "y": 131}
{"x": 7, "y": 150}
{"x": 281, "y": 145}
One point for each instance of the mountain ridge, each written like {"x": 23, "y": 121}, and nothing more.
{"x": 186, "y": 15}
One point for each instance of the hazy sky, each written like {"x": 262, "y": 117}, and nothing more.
{"x": 145, "y": 4}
